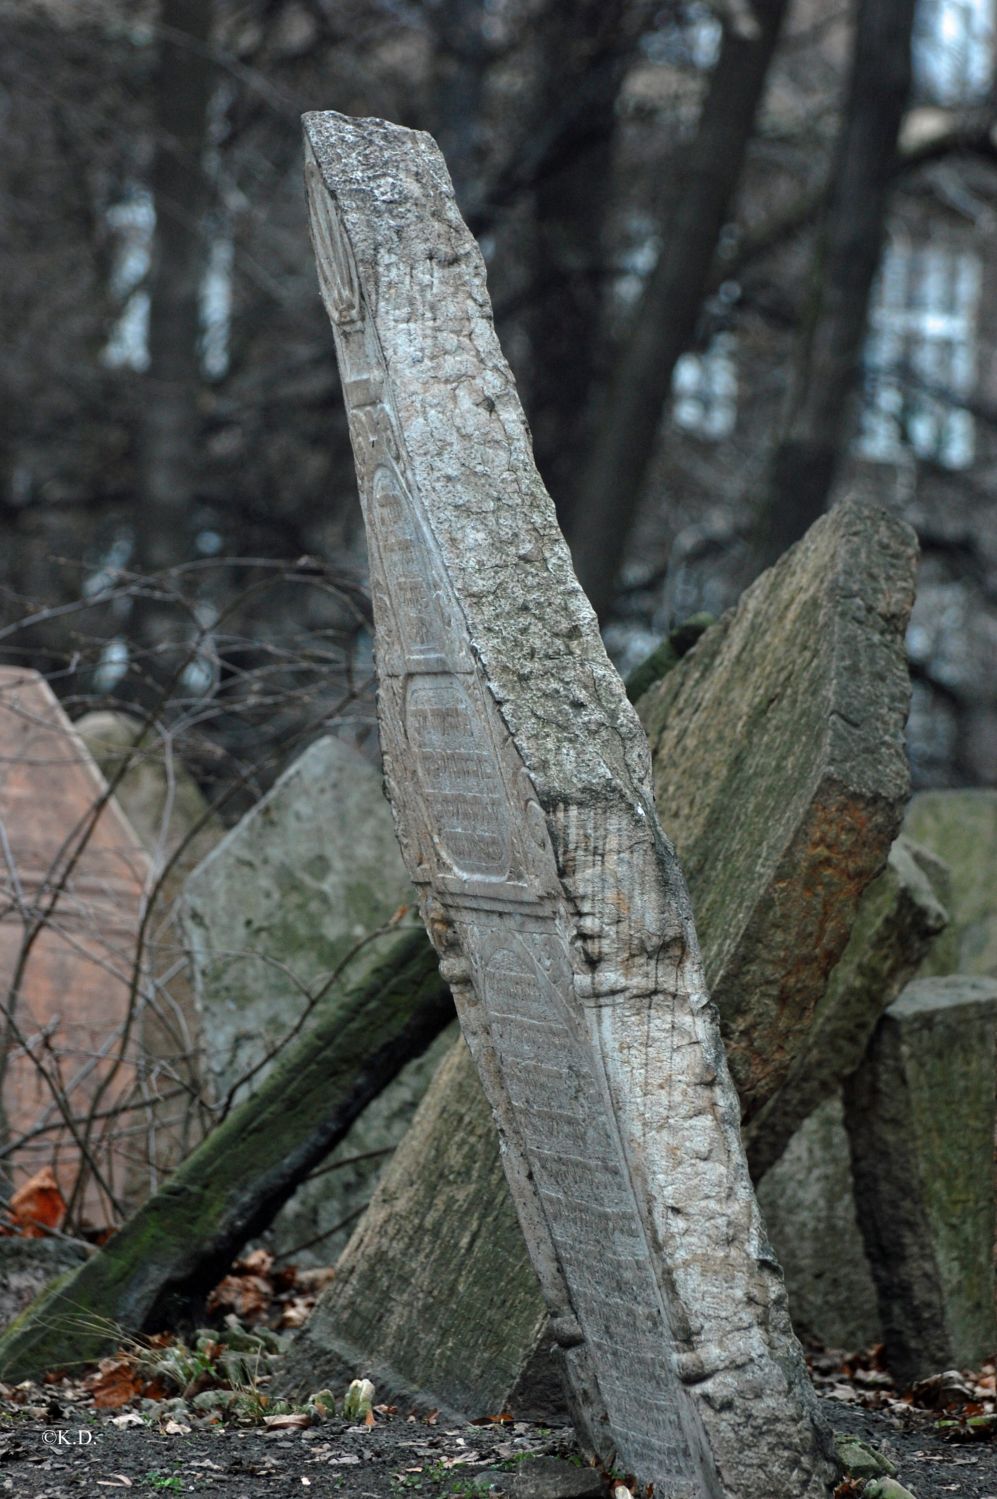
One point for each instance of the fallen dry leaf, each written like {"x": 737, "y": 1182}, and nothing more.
{"x": 249, "y": 1296}
{"x": 116, "y": 1383}
{"x": 39, "y": 1205}
{"x": 293, "y": 1421}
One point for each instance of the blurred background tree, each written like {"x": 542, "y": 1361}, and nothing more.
{"x": 742, "y": 261}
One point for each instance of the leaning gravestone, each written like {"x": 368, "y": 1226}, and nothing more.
{"x": 856, "y": 572}
{"x": 73, "y": 878}
{"x": 520, "y": 782}
{"x": 302, "y": 882}
{"x": 780, "y": 742}
{"x": 921, "y": 1113}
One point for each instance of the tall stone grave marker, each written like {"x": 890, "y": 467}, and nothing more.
{"x": 297, "y": 888}
{"x": 520, "y": 781}
{"x": 70, "y": 861}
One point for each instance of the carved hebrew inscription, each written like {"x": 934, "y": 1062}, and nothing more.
{"x": 459, "y": 777}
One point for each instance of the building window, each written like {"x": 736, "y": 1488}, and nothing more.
{"x": 920, "y": 356}
{"x": 686, "y": 36}
{"x": 704, "y": 390}
{"x": 133, "y": 223}
{"x": 954, "y": 50}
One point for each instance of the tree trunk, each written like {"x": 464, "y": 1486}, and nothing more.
{"x": 169, "y": 429}
{"x": 571, "y": 203}
{"x": 806, "y": 460}
{"x": 179, "y": 1244}
{"x": 461, "y": 59}
{"x": 666, "y": 315}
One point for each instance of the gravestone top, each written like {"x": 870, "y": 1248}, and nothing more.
{"x": 520, "y": 781}
{"x": 929, "y": 1000}
{"x": 960, "y": 826}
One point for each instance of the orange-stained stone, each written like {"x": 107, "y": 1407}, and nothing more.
{"x": 75, "y": 866}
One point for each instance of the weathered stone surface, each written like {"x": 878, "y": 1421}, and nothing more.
{"x": 921, "y": 1115}
{"x": 961, "y": 828}
{"x": 521, "y": 786}
{"x": 899, "y": 917}
{"x": 26, "y": 1266}
{"x": 779, "y": 740}
{"x": 164, "y": 804}
{"x": 895, "y": 919}
{"x": 73, "y": 879}
{"x": 808, "y": 1203}
{"x": 308, "y": 874}
{"x": 800, "y": 1152}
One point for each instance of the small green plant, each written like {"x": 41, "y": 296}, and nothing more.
{"x": 164, "y": 1481}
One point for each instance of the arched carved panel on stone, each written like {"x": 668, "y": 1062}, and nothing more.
{"x": 333, "y": 253}
{"x": 460, "y": 778}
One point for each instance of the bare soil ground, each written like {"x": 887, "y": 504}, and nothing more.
{"x": 72, "y": 1450}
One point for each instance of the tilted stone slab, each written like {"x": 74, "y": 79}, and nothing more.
{"x": 521, "y": 786}
{"x": 72, "y": 868}
{"x": 961, "y": 828}
{"x": 898, "y": 920}
{"x": 921, "y": 1114}
{"x": 779, "y": 740}
{"x": 352, "y": 1313}
{"x": 303, "y": 881}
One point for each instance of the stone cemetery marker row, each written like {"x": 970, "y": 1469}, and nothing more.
{"x": 521, "y": 786}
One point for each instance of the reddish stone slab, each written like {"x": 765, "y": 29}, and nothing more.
{"x": 70, "y": 861}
